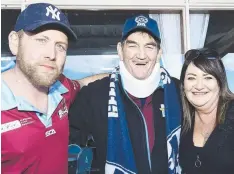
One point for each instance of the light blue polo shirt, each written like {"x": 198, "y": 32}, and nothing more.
{"x": 9, "y": 101}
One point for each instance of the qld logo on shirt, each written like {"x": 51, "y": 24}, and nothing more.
{"x": 63, "y": 111}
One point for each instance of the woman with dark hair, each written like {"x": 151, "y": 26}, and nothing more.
{"x": 207, "y": 139}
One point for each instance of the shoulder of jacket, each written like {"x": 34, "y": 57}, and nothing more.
{"x": 102, "y": 83}
{"x": 96, "y": 88}
{"x": 230, "y": 110}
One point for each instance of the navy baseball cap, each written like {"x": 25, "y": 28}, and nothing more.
{"x": 141, "y": 23}
{"x": 39, "y": 15}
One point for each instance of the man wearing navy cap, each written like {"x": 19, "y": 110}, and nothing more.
{"x": 134, "y": 114}
{"x": 35, "y": 95}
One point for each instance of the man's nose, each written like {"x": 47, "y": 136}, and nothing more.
{"x": 142, "y": 53}
{"x": 51, "y": 51}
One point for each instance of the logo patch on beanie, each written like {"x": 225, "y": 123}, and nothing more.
{"x": 141, "y": 21}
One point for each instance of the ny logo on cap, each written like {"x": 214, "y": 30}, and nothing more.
{"x": 141, "y": 21}
{"x": 54, "y": 12}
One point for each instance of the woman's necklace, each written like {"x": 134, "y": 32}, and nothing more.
{"x": 198, "y": 162}
{"x": 205, "y": 133}
{"x": 206, "y": 129}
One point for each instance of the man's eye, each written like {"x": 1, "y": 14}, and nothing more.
{"x": 150, "y": 47}
{"x": 61, "y": 47}
{"x": 42, "y": 41}
{"x": 132, "y": 45}
{"x": 191, "y": 78}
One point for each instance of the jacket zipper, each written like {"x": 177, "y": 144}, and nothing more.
{"x": 146, "y": 131}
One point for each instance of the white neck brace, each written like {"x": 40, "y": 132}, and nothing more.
{"x": 140, "y": 88}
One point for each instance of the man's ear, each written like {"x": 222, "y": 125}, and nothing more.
{"x": 159, "y": 55}
{"x": 120, "y": 50}
{"x": 13, "y": 39}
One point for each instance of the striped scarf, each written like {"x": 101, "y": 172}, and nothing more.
{"x": 120, "y": 157}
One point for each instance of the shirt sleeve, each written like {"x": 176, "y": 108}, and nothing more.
{"x": 73, "y": 87}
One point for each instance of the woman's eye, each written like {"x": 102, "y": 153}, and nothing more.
{"x": 208, "y": 78}
{"x": 191, "y": 78}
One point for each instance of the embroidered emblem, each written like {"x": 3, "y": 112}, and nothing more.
{"x": 50, "y": 132}
{"x": 10, "y": 126}
{"x": 162, "y": 109}
{"x": 54, "y": 12}
{"x": 16, "y": 124}
{"x": 141, "y": 21}
{"x": 63, "y": 111}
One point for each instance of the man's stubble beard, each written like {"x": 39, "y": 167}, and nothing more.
{"x": 38, "y": 79}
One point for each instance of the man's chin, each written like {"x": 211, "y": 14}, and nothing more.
{"x": 43, "y": 82}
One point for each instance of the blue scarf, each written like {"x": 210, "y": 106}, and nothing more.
{"x": 120, "y": 157}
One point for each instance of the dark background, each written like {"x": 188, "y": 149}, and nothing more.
{"x": 99, "y": 31}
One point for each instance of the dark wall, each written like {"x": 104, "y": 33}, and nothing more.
{"x": 98, "y": 31}
{"x": 220, "y": 34}
{"x": 8, "y": 20}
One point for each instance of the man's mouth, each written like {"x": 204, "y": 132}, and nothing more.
{"x": 48, "y": 67}
{"x": 141, "y": 64}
